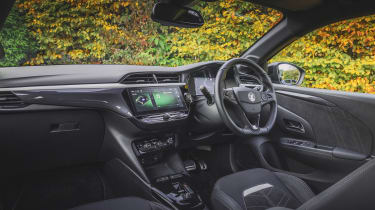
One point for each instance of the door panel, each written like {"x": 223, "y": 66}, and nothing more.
{"x": 332, "y": 126}
{"x": 321, "y": 135}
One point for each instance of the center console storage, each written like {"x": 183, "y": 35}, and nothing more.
{"x": 178, "y": 190}
{"x": 164, "y": 168}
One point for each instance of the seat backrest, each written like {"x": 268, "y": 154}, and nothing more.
{"x": 354, "y": 192}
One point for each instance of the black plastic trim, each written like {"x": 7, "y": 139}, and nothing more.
{"x": 309, "y": 98}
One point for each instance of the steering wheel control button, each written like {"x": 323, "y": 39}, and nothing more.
{"x": 264, "y": 96}
{"x": 229, "y": 95}
{"x": 170, "y": 140}
{"x": 147, "y": 146}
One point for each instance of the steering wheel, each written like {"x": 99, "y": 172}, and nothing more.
{"x": 245, "y": 101}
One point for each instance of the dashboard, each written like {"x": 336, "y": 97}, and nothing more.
{"x": 147, "y": 108}
{"x": 144, "y": 109}
{"x": 148, "y": 95}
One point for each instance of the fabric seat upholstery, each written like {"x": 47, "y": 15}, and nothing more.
{"x": 127, "y": 203}
{"x": 263, "y": 188}
{"x": 276, "y": 191}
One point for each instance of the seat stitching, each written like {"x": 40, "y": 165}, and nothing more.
{"x": 287, "y": 200}
{"x": 233, "y": 205}
{"x": 270, "y": 191}
{"x": 296, "y": 195}
{"x": 303, "y": 185}
{"x": 267, "y": 197}
{"x": 300, "y": 181}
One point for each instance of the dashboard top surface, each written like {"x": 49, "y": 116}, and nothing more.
{"x": 82, "y": 74}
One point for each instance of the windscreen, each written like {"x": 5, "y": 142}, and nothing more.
{"x": 121, "y": 32}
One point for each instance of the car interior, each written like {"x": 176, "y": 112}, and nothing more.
{"x": 210, "y": 135}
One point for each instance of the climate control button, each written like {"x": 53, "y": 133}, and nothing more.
{"x": 155, "y": 144}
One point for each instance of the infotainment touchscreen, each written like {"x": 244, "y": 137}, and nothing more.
{"x": 156, "y": 99}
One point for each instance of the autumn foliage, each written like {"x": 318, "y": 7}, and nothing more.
{"x": 340, "y": 56}
{"x": 40, "y": 32}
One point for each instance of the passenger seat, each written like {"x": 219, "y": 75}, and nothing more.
{"x": 126, "y": 203}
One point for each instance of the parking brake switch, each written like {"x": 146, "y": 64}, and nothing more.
{"x": 206, "y": 93}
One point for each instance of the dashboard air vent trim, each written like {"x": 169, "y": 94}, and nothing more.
{"x": 140, "y": 78}
{"x": 152, "y": 78}
{"x": 168, "y": 78}
{"x": 8, "y": 100}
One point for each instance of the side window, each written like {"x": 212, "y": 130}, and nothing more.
{"x": 340, "y": 56}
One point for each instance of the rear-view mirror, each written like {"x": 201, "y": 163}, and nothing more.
{"x": 174, "y": 15}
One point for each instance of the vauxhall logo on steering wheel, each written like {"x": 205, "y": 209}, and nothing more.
{"x": 251, "y": 97}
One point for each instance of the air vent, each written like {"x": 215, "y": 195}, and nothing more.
{"x": 148, "y": 78}
{"x": 9, "y": 100}
{"x": 167, "y": 78}
{"x": 140, "y": 79}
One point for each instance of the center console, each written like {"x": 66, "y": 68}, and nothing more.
{"x": 164, "y": 107}
{"x": 166, "y": 171}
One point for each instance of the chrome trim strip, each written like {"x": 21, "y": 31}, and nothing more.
{"x": 90, "y": 86}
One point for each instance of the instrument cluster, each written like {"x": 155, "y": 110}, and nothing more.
{"x": 206, "y": 77}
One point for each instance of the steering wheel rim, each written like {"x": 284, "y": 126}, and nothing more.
{"x": 247, "y": 102}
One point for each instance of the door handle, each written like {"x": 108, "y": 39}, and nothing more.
{"x": 294, "y": 126}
